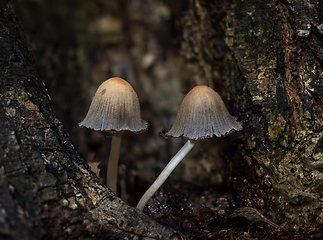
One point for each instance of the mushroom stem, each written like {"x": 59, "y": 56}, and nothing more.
{"x": 112, "y": 171}
{"x": 164, "y": 174}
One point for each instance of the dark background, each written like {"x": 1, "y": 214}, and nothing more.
{"x": 78, "y": 44}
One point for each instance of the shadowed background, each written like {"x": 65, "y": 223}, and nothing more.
{"x": 268, "y": 71}
{"x": 78, "y": 44}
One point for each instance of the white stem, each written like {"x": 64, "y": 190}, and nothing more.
{"x": 165, "y": 173}
{"x": 112, "y": 171}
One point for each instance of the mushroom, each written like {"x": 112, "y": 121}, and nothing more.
{"x": 115, "y": 108}
{"x": 202, "y": 114}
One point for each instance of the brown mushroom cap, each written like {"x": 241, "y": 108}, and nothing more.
{"x": 115, "y": 107}
{"x": 203, "y": 114}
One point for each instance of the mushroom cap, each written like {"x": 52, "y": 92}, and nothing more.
{"x": 203, "y": 114}
{"x": 115, "y": 107}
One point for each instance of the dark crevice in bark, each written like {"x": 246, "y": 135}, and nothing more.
{"x": 52, "y": 192}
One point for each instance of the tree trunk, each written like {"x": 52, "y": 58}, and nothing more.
{"x": 47, "y": 190}
{"x": 264, "y": 58}
{"x": 272, "y": 78}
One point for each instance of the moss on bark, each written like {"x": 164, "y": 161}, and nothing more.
{"x": 272, "y": 78}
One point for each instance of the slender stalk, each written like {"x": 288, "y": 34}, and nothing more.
{"x": 165, "y": 173}
{"x": 112, "y": 171}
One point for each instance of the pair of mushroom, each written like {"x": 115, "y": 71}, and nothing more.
{"x": 115, "y": 108}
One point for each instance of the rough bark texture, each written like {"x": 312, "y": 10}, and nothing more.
{"x": 272, "y": 77}
{"x": 265, "y": 60}
{"x": 47, "y": 190}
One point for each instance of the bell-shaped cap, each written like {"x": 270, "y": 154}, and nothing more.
{"x": 115, "y": 107}
{"x": 203, "y": 114}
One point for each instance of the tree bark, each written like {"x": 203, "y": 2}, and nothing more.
{"x": 47, "y": 190}
{"x": 271, "y": 77}
{"x": 264, "y": 58}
